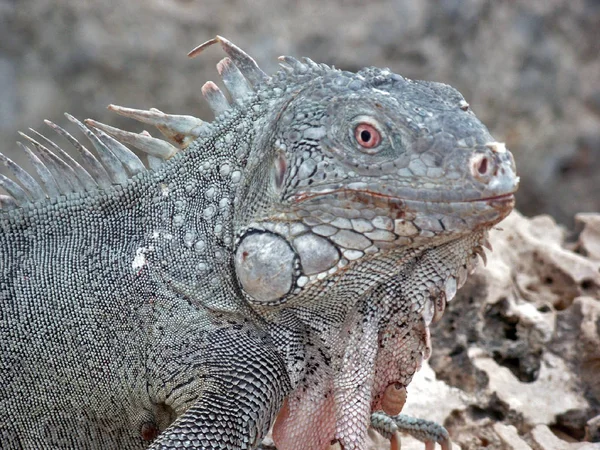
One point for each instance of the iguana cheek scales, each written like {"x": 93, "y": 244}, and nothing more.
{"x": 295, "y": 248}
{"x": 317, "y": 254}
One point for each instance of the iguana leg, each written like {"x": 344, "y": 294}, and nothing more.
{"x": 424, "y": 430}
{"x": 238, "y": 398}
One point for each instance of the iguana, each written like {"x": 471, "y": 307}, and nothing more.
{"x": 282, "y": 261}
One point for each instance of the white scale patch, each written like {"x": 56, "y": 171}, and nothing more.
{"x": 139, "y": 260}
{"x": 264, "y": 264}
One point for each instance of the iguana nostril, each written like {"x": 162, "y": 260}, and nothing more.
{"x": 483, "y": 166}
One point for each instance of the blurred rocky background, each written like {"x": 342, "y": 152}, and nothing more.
{"x": 516, "y": 360}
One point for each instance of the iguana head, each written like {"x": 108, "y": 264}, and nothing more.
{"x": 353, "y": 165}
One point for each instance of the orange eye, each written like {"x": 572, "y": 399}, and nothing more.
{"x": 367, "y": 135}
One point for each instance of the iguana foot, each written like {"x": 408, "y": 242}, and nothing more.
{"x": 424, "y": 430}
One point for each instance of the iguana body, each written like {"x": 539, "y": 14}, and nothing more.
{"x": 296, "y": 250}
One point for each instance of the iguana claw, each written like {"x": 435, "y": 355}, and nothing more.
{"x": 424, "y": 430}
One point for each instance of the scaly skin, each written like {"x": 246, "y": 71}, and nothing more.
{"x": 284, "y": 263}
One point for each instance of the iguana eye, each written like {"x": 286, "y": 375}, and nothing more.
{"x": 367, "y": 136}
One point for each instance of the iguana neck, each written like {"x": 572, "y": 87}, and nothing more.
{"x": 418, "y": 276}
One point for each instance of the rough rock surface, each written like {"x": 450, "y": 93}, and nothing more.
{"x": 516, "y": 357}
{"x": 529, "y": 68}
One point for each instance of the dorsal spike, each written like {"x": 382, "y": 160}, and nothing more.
{"x": 94, "y": 167}
{"x": 27, "y": 181}
{"x": 132, "y": 163}
{"x": 7, "y": 202}
{"x": 182, "y": 130}
{"x": 113, "y": 165}
{"x": 155, "y": 162}
{"x": 294, "y": 64}
{"x": 193, "y": 132}
{"x": 311, "y": 64}
{"x": 200, "y": 48}
{"x": 42, "y": 171}
{"x": 235, "y": 82}
{"x": 84, "y": 178}
{"x": 63, "y": 174}
{"x": 147, "y": 144}
{"x": 244, "y": 62}
{"x": 14, "y": 190}
{"x": 287, "y": 68}
{"x": 216, "y": 99}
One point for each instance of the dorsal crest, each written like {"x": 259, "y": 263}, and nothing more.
{"x": 112, "y": 162}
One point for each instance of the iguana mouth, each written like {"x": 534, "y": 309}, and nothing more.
{"x": 379, "y": 199}
{"x": 364, "y": 193}
{"x": 366, "y": 197}
{"x": 503, "y": 203}
{"x": 502, "y": 197}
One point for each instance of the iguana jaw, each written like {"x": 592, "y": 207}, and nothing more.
{"x": 413, "y": 219}
{"x": 277, "y": 259}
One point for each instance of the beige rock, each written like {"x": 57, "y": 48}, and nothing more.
{"x": 543, "y": 437}
{"x": 522, "y": 337}
{"x": 432, "y": 399}
{"x": 589, "y": 239}
{"x": 592, "y": 429}
{"x": 510, "y": 437}
{"x": 553, "y": 393}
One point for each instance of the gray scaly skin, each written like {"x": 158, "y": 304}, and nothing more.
{"x": 288, "y": 262}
